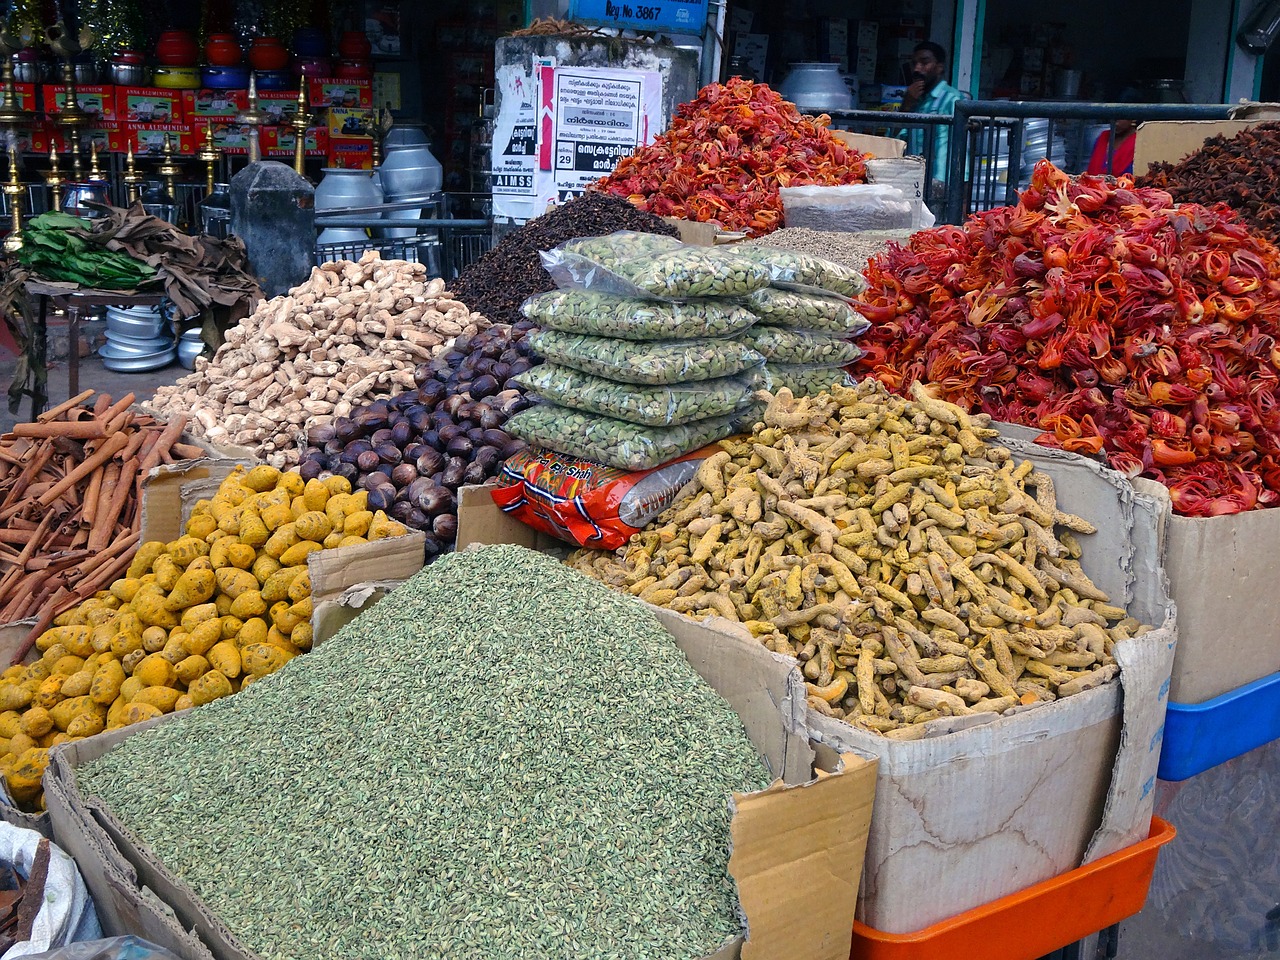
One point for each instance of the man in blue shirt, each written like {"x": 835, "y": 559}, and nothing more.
{"x": 930, "y": 93}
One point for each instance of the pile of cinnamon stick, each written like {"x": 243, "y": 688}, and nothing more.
{"x": 70, "y": 500}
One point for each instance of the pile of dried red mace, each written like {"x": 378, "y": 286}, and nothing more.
{"x": 725, "y": 155}
{"x": 1107, "y": 316}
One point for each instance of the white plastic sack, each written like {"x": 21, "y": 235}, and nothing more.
{"x": 907, "y": 174}
{"x": 860, "y": 206}
{"x": 67, "y": 914}
{"x": 112, "y": 948}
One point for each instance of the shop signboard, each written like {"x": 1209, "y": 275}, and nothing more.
{"x": 675, "y": 16}
{"x": 588, "y": 119}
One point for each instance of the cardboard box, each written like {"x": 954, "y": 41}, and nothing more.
{"x": 26, "y": 95}
{"x": 351, "y": 153}
{"x": 214, "y": 104}
{"x": 281, "y": 104}
{"x": 804, "y": 834}
{"x": 344, "y": 580}
{"x": 339, "y": 93}
{"x": 95, "y": 99}
{"x": 882, "y": 147}
{"x": 1222, "y": 576}
{"x": 280, "y": 141}
{"x": 147, "y": 139}
{"x": 1171, "y": 140}
{"x": 892, "y": 94}
{"x": 349, "y": 122}
{"x": 12, "y": 635}
{"x": 998, "y": 804}
{"x": 150, "y": 105}
{"x": 46, "y": 135}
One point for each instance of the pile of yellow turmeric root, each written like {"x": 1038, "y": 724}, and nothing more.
{"x": 913, "y": 568}
{"x": 192, "y": 620}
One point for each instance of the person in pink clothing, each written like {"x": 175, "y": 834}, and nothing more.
{"x": 1122, "y": 158}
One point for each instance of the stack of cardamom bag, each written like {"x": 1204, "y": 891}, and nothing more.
{"x": 646, "y": 348}
{"x": 805, "y": 319}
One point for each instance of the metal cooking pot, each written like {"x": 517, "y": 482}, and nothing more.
{"x": 129, "y": 74}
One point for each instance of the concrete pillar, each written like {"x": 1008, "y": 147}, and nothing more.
{"x": 273, "y": 212}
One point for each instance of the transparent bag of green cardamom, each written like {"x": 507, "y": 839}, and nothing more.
{"x": 823, "y": 312}
{"x": 629, "y": 318}
{"x": 613, "y": 442}
{"x": 653, "y": 406}
{"x": 806, "y": 380}
{"x": 685, "y": 272}
{"x": 805, "y": 273}
{"x": 654, "y": 362}
{"x": 612, "y": 248}
{"x": 781, "y": 345}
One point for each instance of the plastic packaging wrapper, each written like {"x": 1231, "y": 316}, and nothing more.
{"x": 656, "y": 362}
{"x": 112, "y": 948}
{"x": 587, "y": 503}
{"x": 612, "y": 248}
{"x": 823, "y": 312}
{"x": 780, "y": 345}
{"x": 806, "y": 380}
{"x": 687, "y": 272}
{"x": 629, "y": 318}
{"x": 655, "y": 406}
{"x": 805, "y": 273}
{"x": 907, "y": 175}
{"x": 67, "y": 913}
{"x": 862, "y": 206}
{"x": 612, "y": 442}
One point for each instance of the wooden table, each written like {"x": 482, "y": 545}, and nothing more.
{"x": 74, "y": 299}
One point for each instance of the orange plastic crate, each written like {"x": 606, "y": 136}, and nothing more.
{"x": 1033, "y": 922}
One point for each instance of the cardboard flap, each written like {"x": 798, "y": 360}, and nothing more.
{"x": 1168, "y": 141}
{"x": 338, "y": 570}
{"x": 170, "y": 492}
{"x": 1145, "y": 665}
{"x": 480, "y": 521}
{"x": 820, "y": 849}
{"x": 880, "y": 147}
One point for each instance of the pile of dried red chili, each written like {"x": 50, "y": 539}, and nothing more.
{"x": 1107, "y": 316}
{"x": 1241, "y": 171}
{"x": 726, "y": 154}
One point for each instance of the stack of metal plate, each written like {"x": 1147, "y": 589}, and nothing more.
{"x": 138, "y": 339}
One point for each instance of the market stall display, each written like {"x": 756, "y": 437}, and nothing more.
{"x": 726, "y": 154}
{"x": 361, "y": 760}
{"x": 914, "y": 568}
{"x": 353, "y": 332}
{"x": 499, "y": 283}
{"x": 1107, "y": 316}
{"x": 413, "y": 452}
{"x": 70, "y": 496}
{"x": 1239, "y": 171}
{"x": 189, "y": 621}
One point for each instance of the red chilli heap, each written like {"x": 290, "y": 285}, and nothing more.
{"x": 1109, "y": 317}
{"x": 725, "y": 155}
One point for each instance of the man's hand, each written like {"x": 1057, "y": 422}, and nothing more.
{"x": 911, "y": 99}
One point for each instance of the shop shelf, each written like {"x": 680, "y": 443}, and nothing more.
{"x": 1198, "y": 736}
{"x": 1033, "y": 922}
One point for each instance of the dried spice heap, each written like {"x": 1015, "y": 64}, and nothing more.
{"x": 1107, "y": 316}
{"x": 500, "y": 281}
{"x": 726, "y": 154}
{"x": 1241, "y": 171}
{"x": 512, "y": 809}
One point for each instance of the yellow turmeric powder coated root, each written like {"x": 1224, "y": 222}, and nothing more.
{"x": 911, "y": 566}
{"x": 191, "y": 622}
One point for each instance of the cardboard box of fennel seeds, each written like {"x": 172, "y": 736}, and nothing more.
{"x": 806, "y": 832}
{"x": 988, "y": 805}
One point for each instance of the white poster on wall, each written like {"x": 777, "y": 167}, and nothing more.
{"x": 514, "y": 143}
{"x": 589, "y": 118}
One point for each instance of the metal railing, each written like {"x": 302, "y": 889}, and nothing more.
{"x": 983, "y": 132}
{"x": 884, "y": 123}
{"x": 444, "y": 243}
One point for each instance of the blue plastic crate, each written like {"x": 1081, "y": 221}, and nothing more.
{"x": 1198, "y": 736}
